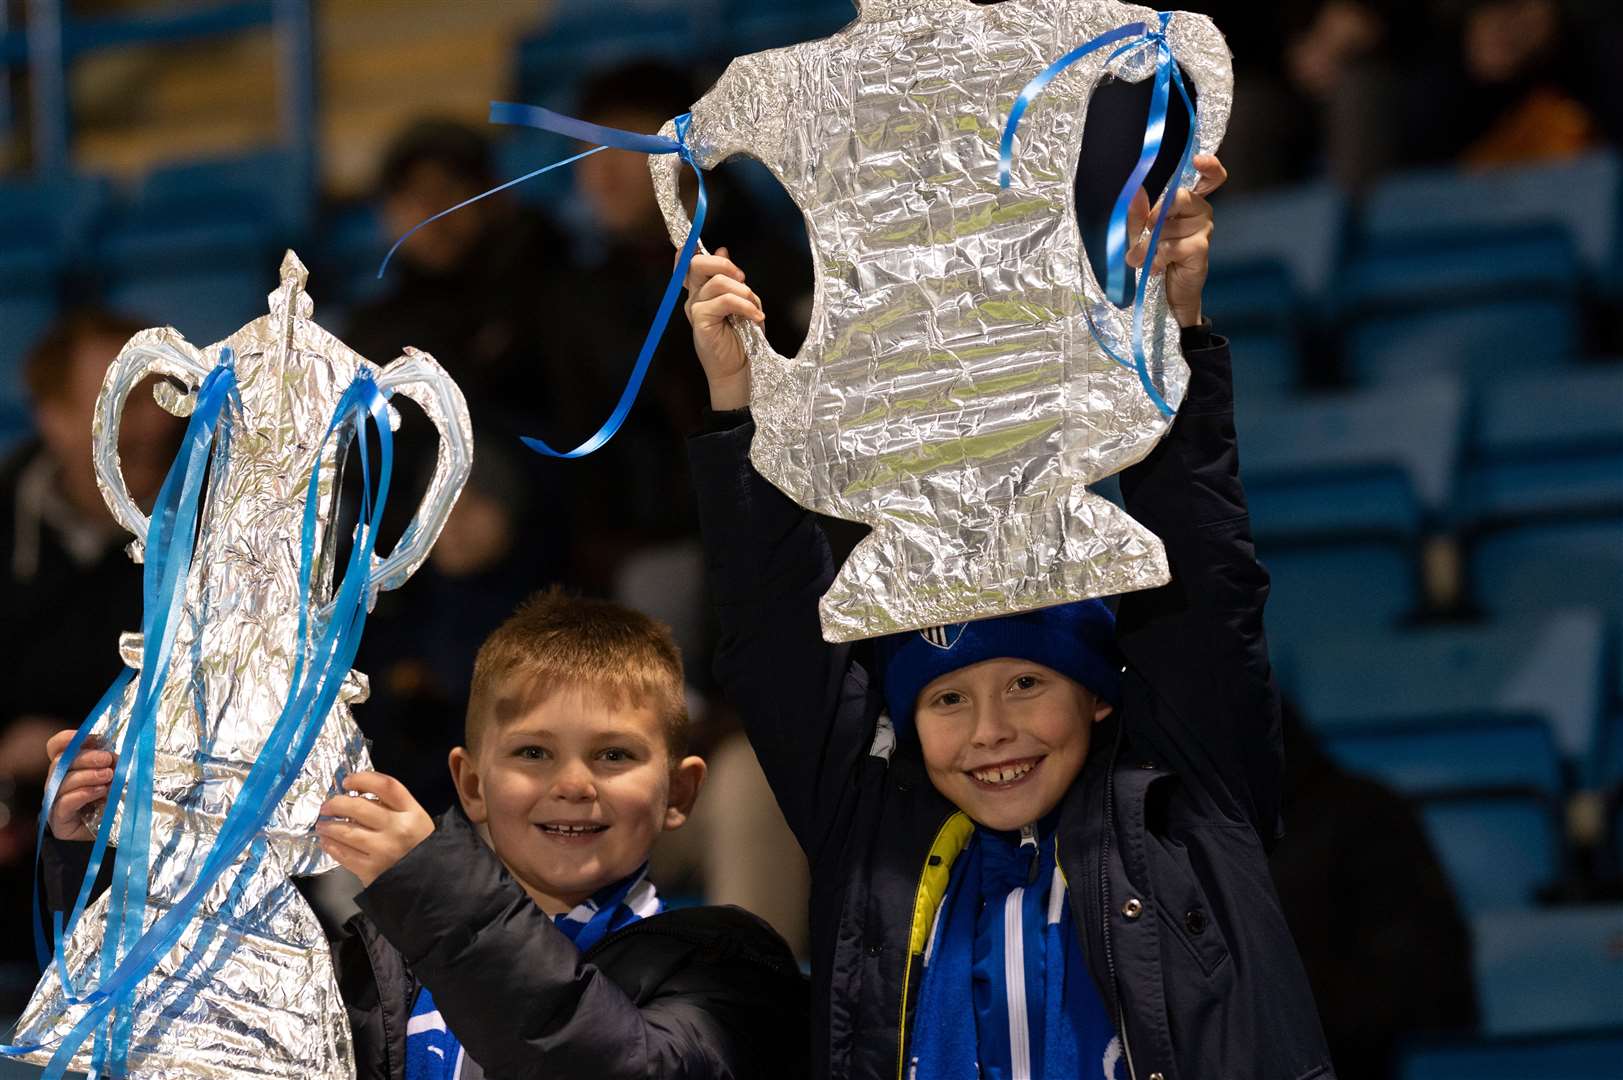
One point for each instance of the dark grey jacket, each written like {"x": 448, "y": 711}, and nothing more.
{"x": 694, "y": 993}
{"x": 1162, "y": 836}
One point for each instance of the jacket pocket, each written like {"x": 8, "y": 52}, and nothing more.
{"x": 1175, "y": 887}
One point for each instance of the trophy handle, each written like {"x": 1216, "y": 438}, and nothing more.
{"x": 418, "y": 376}
{"x": 151, "y": 352}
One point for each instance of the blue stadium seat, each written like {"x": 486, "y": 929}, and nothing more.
{"x": 1455, "y": 754}
{"x": 1480, "y": 307}
{"x": 1550, "y": 972}
{"x": 204, "y": 305}
{"x": 1320, "y": 591}
{"x": 1543, "y": 566}
{"x": 26, "y": 310}
{"x": 57, "y": 213}
{"x": 752, "y": 27}
{"x": 1266, "y": 362}
{"x": 1547, "y": 445}
{"x": 1301, "y": 230}
{"x": 584, "y": 36}
{"x": 1581, "y": 198}
{"x": 1499, "y": 850}
{"x": 1368, "y": 462}
{"x": 1340, "y": 488}
{"x": 1554, "y": 667}
{"x": 1251, "y": 296}
{"x": 1570, "y": 1057}
{"x": 262, "y": 187}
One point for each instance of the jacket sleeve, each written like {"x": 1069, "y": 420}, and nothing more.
{"x": 804, "y": 701}
{"x": 519, "y": 996}
{"x": 1194, "y": 649}
{"x": 63, "y": 864}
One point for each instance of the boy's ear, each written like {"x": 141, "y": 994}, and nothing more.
{"x": 1101, "y": 709}
{"x": 469, "y": 789}
{"x": 686, "y": 780}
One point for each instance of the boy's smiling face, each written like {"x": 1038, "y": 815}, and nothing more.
{"x": 572, "y": 788}
{"x": 1003, "y": 739}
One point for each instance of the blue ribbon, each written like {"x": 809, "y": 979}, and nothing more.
{"x": 1167, "y": 76}
{"x": 533, "y": 116}
{"x": 326, "y": 653}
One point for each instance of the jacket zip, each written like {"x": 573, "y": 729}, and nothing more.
{"x": 1104, "y": 893}
{"x": 907, "y": 967}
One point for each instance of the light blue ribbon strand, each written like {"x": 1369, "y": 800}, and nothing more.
{"x": 547, "y": 120}
{"x": 603, "y": 138}
{"x": 1167, "y": 76}
{"x": 327, "y": 645}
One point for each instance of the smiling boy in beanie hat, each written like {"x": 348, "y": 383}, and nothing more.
{"x": 1037, "y": 842}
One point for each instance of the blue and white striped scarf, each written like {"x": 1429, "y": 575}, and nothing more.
{"x": 1003, "y": 950}
{"x": 434, "y": 1053}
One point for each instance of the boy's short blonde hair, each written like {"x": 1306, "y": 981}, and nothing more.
{"x": 555, "y": 640}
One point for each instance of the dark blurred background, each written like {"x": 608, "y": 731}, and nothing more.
{"x": 1418, "y": 259}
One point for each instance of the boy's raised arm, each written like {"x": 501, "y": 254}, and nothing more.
{"x": 1195, "y": 648}
{"x": 803, "y": 701}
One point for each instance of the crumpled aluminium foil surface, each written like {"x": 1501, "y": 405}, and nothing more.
{"x": 250, "y": 989}
{"x": 950, "y": 392}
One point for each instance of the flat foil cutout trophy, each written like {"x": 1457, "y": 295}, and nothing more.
{"x": 251, "y": 705}
{"x": 955, "y": 391}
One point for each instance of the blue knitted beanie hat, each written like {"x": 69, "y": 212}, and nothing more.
{"x": 1077, "y": 640}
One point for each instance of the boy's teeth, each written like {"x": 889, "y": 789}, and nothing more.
{"x": 572, "y": 829}
{"x": 1002, "y": 774}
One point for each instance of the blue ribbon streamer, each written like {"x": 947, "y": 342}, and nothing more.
{"x": 1167, "y": 76}
{"x": 533, "y": 116}
{"x": 318, "y": 675}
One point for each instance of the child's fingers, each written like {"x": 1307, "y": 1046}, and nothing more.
{"x": 390, "y": 792}
{"x": 350, "y": 858}
{"x": 705, "y": 267}
{"x": 56, "y": 744}
{"x": 77, "y": 778}
{"x": 1191, "y": 252}
{"x": 719, "y": 285}
{"x": 1212, "y": 173}
{"x": 71, "y": 803}
{"x": 722, "y": 306}
{"x": 349, "y": 833}
{"x": 363, "y": 812}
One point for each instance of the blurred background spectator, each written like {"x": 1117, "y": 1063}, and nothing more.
{"x": 67, "y": 588}
{"x": 1419, "y": 262}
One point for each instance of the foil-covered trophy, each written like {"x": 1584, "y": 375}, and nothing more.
{"x": 965, "y": 377}
{"x": 233, "y": 720}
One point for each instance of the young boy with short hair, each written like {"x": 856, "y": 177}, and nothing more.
{"x": 519, "y": 936}
{"x": 1037, "y": 842}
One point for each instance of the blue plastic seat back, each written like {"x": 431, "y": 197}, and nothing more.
{"x": 1547, "y": 445}
{"x": 58, "y": 213}
{"x": 1548, "y": 565}
{"x": 1455, "y": 754}
{"x": 1475, "y": 343}
{"x": 1553, "y": 667}
{"x": 1365, "y": 462}
{"x": 1302, "y": 229}
{"x": 587, "y": 36}
{"x": 1251, "y": 296}
{"x": 1581, "y": 197}
{"x": 1320, "y": 592}
{"x": 1267, "y": 363}
{"x": 1499, "y": 851}
{"x": 205, "y": 306}
{"x": 1550, "y": 971}
{"x": 24, "y": 316}
{"x": 262, "y": 186}
{"x": 1569, "y": 1057}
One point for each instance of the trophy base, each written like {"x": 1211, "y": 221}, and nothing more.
{"x": 249, "y": 991}
{"x": 1045, "y": 550}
